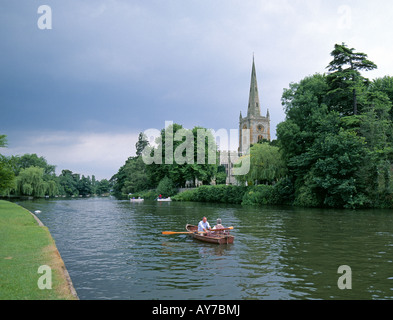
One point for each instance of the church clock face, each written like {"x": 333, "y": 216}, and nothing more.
{"x": 260, "y": 128}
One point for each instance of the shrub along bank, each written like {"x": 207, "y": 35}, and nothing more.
{"x": 280, "y": 193}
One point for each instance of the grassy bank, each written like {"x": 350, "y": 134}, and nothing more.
{"x": 24, "y": 247}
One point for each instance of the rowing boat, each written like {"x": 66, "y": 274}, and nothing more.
{"x": 164, "y": 200}
{"x": 211, "y": 237}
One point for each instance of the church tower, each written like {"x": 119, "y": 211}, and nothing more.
{"x": 258, "y": 125}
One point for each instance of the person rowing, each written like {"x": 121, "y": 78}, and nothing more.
{"x": 203, "y": 225}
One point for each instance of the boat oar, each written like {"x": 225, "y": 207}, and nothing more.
{"x": 190, "y": 232}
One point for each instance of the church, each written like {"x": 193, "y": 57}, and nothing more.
{"x": 255, "y": 126}
{"x": 258, "y": 125}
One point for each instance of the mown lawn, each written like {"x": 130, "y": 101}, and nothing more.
{"x": 24, "y": 247}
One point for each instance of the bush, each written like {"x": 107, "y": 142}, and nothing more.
{"x": 258, "y": 195}
{"x": 283, "y": 192}
{"x": 147, "y": 195}
{"x": 306, "y": 198}
{"x": 188, "y": 195}
{"x": 217, "y": 194}
{"x": 166, "y": 188}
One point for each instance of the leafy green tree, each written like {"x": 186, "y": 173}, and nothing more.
{"x": 345, "y": 78}
{"x": 52, "y": 188}
{"x": 84, "y": 186}
{"x": 3, "y": 141}
{"x": 337, "y": 156}
{"x": 32, "y": 160}
{"x": 166, "y": 188}
{"x": 135, "y": 176}
{"x": 103, "y": 186}
{"x": 188, "y": 157}
{"x": 305, "y": 108}
{"x": 30, "y": 182}
{"x": 205, "y": 159}
{"x": 336, "y": 160}
{"x": 7, "y": 176}
{"x": 141, "y": 144}
{"x": 266, "y": 165}
{"x": 68, "y": 182}
{"x": 384, "y": 85}
{"x": 221, "y": 176}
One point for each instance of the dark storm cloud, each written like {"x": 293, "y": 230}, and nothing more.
{"x": 117, "y": 67}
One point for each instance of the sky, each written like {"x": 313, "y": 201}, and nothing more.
{"x": 79, "y": 93}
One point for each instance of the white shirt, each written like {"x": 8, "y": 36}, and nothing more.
{"x": 203, "y": 225}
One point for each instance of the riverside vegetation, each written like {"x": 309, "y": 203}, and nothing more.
{"x": 32, "y": 176}
{"x": 334, "y": 149}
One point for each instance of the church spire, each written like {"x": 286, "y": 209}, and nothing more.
{"x": 254, "y": 108}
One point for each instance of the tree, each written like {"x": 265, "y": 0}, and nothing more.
{"x": 186, "y": 158}
{"x": 68, "y": 182}
{"x": 221, "y": 176}
{"x": 103, "y": 186}
{"x": 30, "y": 182}
{"x": 266, "y": 165}
{"x": 337, "y": 156}
{"x": 166, "y": 188}
{"x": 384, "y": 85}
{"x": 131, "y": 177}
{"x": 32, "y": 160}
{"x": 305, "y": 107}
{"x": 7, "y": 176}
{"x": 336, "y": 159}
{"x": 136, "y": 178}
{"x": 345, "y": 78}
{"x": 84, "y": 186}
{"x": 141, "y": 144}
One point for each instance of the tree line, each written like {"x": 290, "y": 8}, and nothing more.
{"x": 337, "y": 139}
{"x": 334, "y": 149}
{"x": 161, "y": 177}
{"x": 31, "y": 175}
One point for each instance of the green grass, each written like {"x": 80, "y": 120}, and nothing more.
{"x": 24, "y": 247}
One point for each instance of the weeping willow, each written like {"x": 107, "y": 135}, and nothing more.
{"x": 30, "y": 182}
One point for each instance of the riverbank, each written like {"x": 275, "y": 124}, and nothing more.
{"x": 25, "y": 246}
{"x": 247, "y": 196}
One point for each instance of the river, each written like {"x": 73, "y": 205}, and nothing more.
{"x": 114, "y": 249}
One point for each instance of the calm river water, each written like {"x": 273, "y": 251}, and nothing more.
{"x": 115, "y": 250}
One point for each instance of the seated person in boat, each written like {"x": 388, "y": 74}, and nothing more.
{"x": 218, "y": 226}
{"x": 203, "y": 225}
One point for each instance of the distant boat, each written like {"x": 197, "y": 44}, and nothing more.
{"x": 137, "y": 200}
{"x": 164, "y": 200}
{"x": 37, "y": 211}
